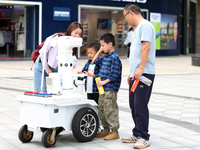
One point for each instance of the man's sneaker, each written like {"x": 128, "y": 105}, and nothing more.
{"x": 112, "y": 136}
{"x": 141, "y": 143}
{"x": 103, "y": 133}
{"x": 130, "y": 139}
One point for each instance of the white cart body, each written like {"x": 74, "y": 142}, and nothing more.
{"x": 51, "y": 112}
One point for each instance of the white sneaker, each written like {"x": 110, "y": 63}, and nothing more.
{"x": 130, "y": 139}
{"x": 142, "y": 143}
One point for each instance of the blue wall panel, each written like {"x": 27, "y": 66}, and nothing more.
{"x": 49, "y": 26}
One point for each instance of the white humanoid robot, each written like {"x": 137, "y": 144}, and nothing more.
{"x": 62, "y": 82}
{"x": 62, "y": 108}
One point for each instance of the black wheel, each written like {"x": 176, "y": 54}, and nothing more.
{"x": 25, "y": 135}
{"x": 85, "y": 124}
{"x": 46, "y": 138}
{"x": 59, "y": 130}
{"x": 43, "y": 129}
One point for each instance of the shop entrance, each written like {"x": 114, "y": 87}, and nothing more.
{"x": 12, "y": 30}
{"x": 97, "y": 20}
{"x": 17, "y": 22}
{"x": 192, "y": 28}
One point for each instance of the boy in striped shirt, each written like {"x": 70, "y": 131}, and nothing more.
{"x": 110, "y": 73}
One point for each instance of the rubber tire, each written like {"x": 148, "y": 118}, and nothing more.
{"x": 76, "y": 124}
{"x": 46, "y": 138}
{"x": 23, "y": 132}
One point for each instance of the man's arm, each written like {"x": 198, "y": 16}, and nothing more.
{"x": 144, "y": 58}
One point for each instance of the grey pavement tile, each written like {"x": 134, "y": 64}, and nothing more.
{"x": 192, "y": 115}
{"x": 191, "y": 102}
{"x": 173, "y": 108}
{"x": 192, "y": 120}
{"x": 177, "y": 131}
{"x": 160, "y": 97}
{"x": 6, "y": 120}
{"x": 2, "y": 115}
{"x": 4, "y": 109}
{"x": 182, "y": 148}
{"x": 156, "y": 110}
{"x": 155, "y": 107}
{"x": 9, "y": 135}
{"x": 3, "y": 128}
{"x": 191, "y": 107}
{"x": 195, "y": 137}
{"x": 109, "y": 145}
{"x": 157, "y": 113}
{"x": 125, "y": 105}
{"x": 164, "y": 136}
{"x": 14, "y": 126}
{"x": 159, "y": 101}
{"x": 184, "y": 141}
{"x": 158, "y": 132}
{"x": 172, "y": 116}
{"x": 196, "y": 148}
{"x": 155, "y": 125}
{"x": 14, "y": 114}
{"x": 190, "y": 111}
{"x": 173, "y": 111}
{"x": 6, "y": 145}
{"x": 164, "y": 143}
{"x": 33, "y": 145}
{"x": 197, "y": 124}
{"x": 176, "y": 99}
{"x": 155, "y": 148}
{"x": 179, "y": 104}
{"x": 158, "y": 105}
{"x": 119, "y": 145}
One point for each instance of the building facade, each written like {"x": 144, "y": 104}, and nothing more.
{"x": 25, "y": 24}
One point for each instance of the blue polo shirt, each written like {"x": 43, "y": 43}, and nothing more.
{"x": 111, "y": 68}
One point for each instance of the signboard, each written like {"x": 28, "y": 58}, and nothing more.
{"x": 155, "y": 19}
{"x": 135, "y": 1}
{"x": 61, "y": 14}
{"x": 166, "y": 27}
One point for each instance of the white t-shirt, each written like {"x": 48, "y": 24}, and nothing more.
{"x": 128, "y": 38}
{"x": 145, "y": 31}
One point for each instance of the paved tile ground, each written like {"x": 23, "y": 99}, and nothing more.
{"x": 174, "y": 108}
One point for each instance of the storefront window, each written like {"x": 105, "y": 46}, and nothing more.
{"x": 98, "y": 21}
{"x": 12, "y": 31}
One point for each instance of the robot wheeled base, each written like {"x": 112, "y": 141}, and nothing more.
{"x": 62, "y": 109}
{"x": 78, "y": 116}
